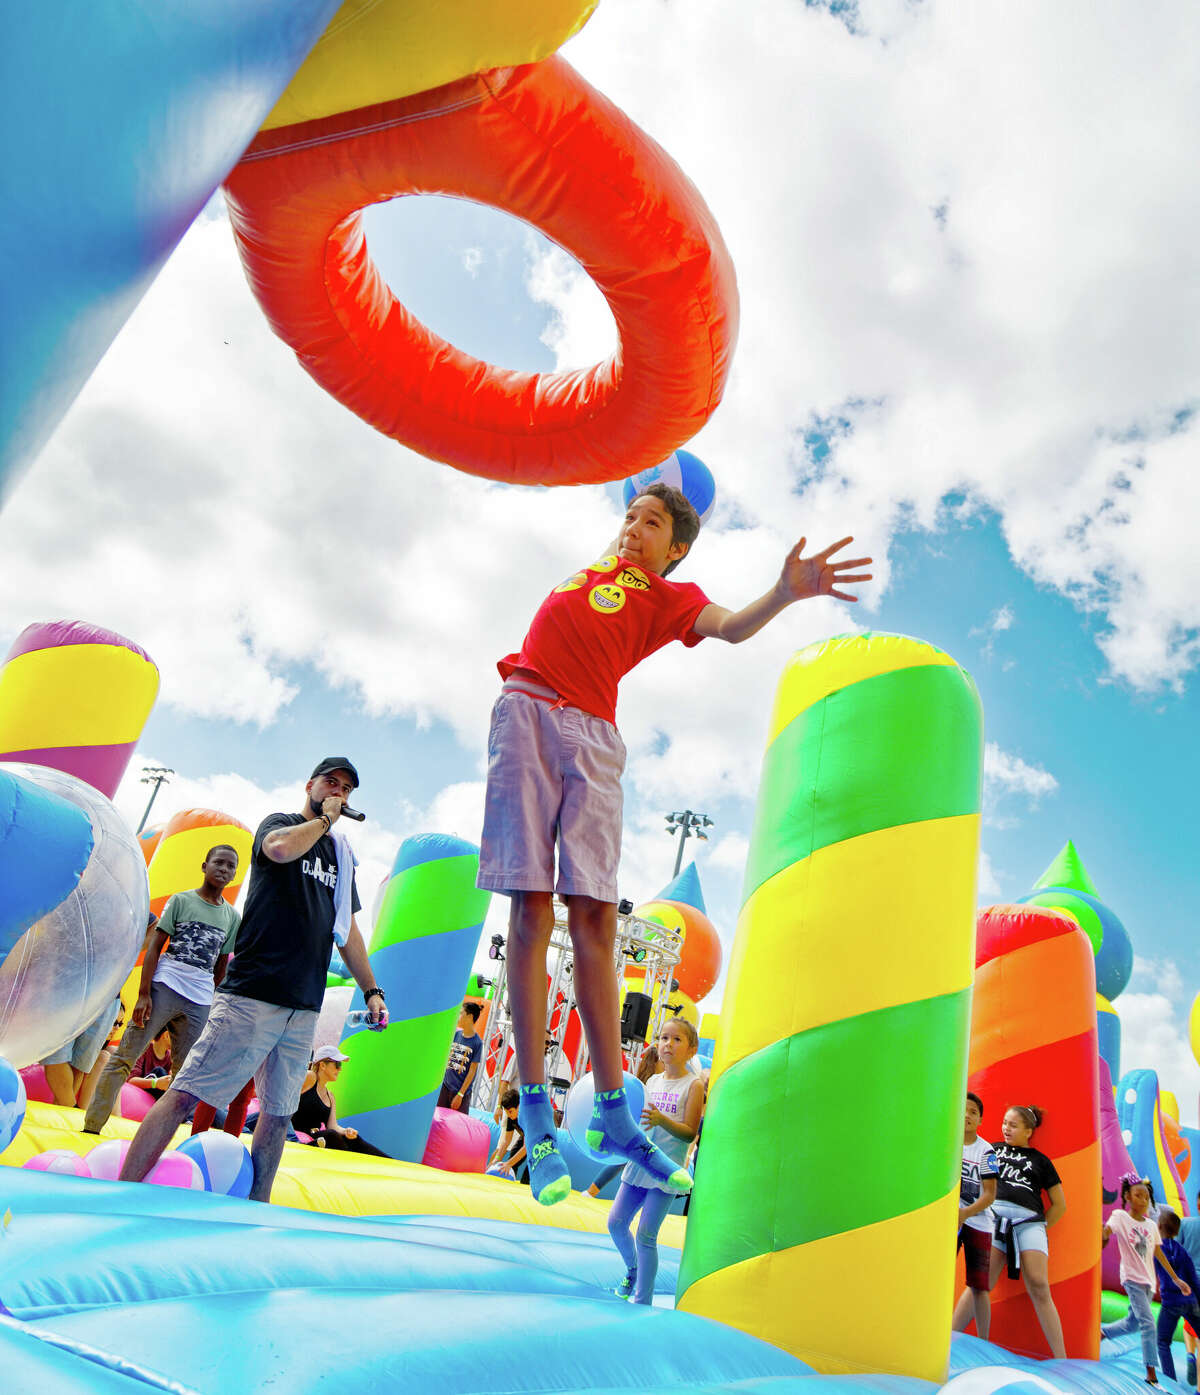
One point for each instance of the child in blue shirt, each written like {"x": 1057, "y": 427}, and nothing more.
{"x": 1175, "y": 1305}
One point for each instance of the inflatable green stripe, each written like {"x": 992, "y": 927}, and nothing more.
{"x": 416, "y": 904}
{"x": 410, "y": 1056}
{"x": 901, "y": 747}
{"x": 1060, "y": 900}
{"x": 422, "y": 946}
{"x": 782, "y": 1113}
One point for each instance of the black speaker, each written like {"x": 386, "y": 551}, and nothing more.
{"x": 635, "y": 1016}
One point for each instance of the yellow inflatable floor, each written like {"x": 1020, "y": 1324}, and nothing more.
{"x": 347, "y": 1184}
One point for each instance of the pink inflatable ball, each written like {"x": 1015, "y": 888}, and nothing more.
{"x": 457, "y": 1143}
{"x": 36, "y": 1086}
{"x": 176, "y": 1170}
{"x": 134, "y": 1103}
{"x": 60, "y": 1160}
{"x": 105, "y": 1159}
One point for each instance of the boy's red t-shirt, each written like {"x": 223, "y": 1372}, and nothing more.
{"x": 598, "y": 624}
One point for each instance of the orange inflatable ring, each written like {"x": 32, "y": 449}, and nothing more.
{"x": 539, "y": 143}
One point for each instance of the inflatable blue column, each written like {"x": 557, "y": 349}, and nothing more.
{"x": 1108, "y": 1034}
{"x": 421, "y": 950}
{"x": 131, "y": 113}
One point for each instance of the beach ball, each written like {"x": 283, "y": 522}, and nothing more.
{"x": 176, "y": 1169}
{"x": 683, "y": 471}
{"x": 578, "y": 1113}
{"x": 60, "y": 1160}
{"x": 12, "y": 1103}
{"x": 105, "y": 1159}
{"x": 69, "y": 964}
{"x": 224, "y": 1161}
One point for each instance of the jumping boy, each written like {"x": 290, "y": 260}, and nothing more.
{"x": 554, "y": 774}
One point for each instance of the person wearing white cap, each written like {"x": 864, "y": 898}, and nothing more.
{"x": 316, "y": 1115}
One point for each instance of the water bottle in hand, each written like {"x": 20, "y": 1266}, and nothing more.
{"x": 361, "y": 1017}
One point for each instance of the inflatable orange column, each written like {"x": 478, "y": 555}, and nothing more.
{"x": 1033, "y": 1041}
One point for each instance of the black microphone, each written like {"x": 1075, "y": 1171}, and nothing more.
{"x": 355, "y": 814}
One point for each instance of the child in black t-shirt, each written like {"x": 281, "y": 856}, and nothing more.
{"x": 1021, "y": 1221}
{"x": 509, "y": 1157}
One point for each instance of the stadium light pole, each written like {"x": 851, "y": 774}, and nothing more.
{"x": 157, "y": 776}
{"x": 687, "y": 825}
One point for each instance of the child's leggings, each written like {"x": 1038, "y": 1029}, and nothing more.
{"x": 1168, "y": 1321}
{"x": 1139, "y": 1316}
{"x": 654, "y": 1204}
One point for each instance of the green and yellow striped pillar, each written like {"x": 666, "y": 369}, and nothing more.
{"x": 833, "y": 1138}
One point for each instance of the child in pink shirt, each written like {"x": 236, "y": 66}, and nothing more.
{"x": 1138, "y": 1241}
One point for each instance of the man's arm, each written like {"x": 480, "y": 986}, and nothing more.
{"x": 987, "y": 1194}
{"x": 354, "y": 956}
{"x": 219, "y": 969}
{"x": 141, "y": 1009}
{"x": 1058, "y": 1204}
{"x": 470, "y": 1076}
{"x": 287, "y": 844}
{"x": 801, "y": 578}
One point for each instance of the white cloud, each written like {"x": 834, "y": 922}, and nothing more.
{"x": 731, "y": 852}
{"x": 1159, "y": 976}
{"x": 472, "y": 260}
{"x": 974, "y": 252}
{"x": 1008, "y": 779}
{"x": 964, "y": 241}
{"x": 988, "y": 889}
{"x": 1154, "y": 1037}
{"x": 1011, "y": 774}
{"x": 581, "y": 330}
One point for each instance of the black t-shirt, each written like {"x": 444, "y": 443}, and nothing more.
{"x": 1022, "y": 1175}
{"x": 286, "y": 939}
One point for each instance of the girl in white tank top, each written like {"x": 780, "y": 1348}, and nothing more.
{"x": 671, "y": 1117}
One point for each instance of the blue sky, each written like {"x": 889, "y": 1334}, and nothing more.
{"x": 976, "y": 262}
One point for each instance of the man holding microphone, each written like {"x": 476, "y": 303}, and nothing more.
{"x": 301, "y": 898}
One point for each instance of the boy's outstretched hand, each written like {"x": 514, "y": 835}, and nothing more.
{"x": 819, "y": 575}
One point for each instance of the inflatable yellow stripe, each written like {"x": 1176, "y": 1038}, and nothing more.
{"x": 874, "y": 890}
{"x": 109, "y": 693}
{"x": 839, "y": 662}
{"x": 380, "y": 50}
{"x": 311, "y": 1179}
{"x": 1170, "y": 1195}
{"x": 762, "y": 1295}
{"x": 175, "y": 865}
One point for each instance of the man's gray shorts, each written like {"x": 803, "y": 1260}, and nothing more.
{"x": 554, "y": 773}
{"x": 244, "y": 1038}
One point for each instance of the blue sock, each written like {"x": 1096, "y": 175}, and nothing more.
{"x": 549, "y": 1179}
{"x": 612, "y": 1130}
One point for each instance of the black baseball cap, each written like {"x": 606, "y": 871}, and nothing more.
{"x": 332, "y": 763}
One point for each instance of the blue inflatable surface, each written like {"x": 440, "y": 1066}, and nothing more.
{"x": 112, "y": 1287}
